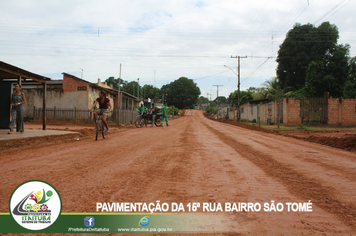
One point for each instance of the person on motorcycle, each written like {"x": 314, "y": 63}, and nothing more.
{"x": 154, "y": 113}
{"x": 164, "y": 115}
{"x": 141, "y": 109}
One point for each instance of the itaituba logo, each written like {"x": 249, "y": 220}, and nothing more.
{"x": 35, "y": 205}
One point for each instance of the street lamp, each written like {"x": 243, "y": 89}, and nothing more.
{"x": 238, "y": 92}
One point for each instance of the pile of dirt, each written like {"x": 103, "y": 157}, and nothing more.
{"x": 24, "y": 143}
{"x": 332, "y": 139}
{"x": 347, "y": 143}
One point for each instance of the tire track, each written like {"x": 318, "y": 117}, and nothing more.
{"x": 298, "y": 184}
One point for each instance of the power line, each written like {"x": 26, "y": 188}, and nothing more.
{"x": 255, "y": 70}
{"x": 332, "y": 11}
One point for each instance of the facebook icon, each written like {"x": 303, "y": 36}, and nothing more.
{"x": 89, "y": 221}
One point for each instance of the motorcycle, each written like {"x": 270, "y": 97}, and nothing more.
{"x": 146, "y": 118}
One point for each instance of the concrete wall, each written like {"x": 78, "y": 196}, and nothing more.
{"x": 248, "y": 111}
{"x": 62, "y": 95}
{"x": 59, "y": 99}
{"x": 222, "y": 112}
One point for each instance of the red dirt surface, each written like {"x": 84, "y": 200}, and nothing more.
{"x": 343, "y": 140}
{"x": 199, "y": 160}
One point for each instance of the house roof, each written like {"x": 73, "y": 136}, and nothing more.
{"x": 99, "y": 87}
{"x": 91, "y": 84}
{"x": 12, "y": 73}
{"x": 129, "y": 95}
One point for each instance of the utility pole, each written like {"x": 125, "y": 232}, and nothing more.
{"x": 154, "y": 79}
{"x": 119, "y": 88}
{"x": 217, "y": 96}
{"x": 138, "y": 89}
{"x": 238, "y": 85}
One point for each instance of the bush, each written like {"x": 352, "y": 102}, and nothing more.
{"x": 172, "y": 110}
{"x": 211, "y": 109}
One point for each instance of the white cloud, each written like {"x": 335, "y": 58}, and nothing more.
{"x": 172, "y": 38}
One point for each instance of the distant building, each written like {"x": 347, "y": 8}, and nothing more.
{"x": 73, "y": 93}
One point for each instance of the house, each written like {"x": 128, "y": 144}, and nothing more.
{"x": 250, "y": 111}
{"x": 73, "y": 93}
{"x": 9, "y": 75}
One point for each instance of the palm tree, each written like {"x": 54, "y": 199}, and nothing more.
{"x": 274, "y": 90}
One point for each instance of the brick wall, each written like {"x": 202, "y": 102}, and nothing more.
{"x": 70, "y": 84}
{"x": 341, "y": 111}
{"x": 333, "y": 111}
{"x": 293, "y": 111}
{"x": 285, "y": 111}
{"x": 348, "y": 112}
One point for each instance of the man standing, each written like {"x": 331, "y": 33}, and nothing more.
{"x": 164, "y": 114}
{"x": 154, "y": 113}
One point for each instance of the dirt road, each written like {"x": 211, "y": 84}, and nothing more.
{"x": 199, "y": 160}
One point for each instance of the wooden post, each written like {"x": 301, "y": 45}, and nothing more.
{"x": 54, "y": 113}
{"x": 44, "y": 106}
{"x": 34, "y": 112}
{"x": 18, "y": 118}
{"x": 75, "y": 114}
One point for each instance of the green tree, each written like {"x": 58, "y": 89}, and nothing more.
{"x": 221, "y": 99}
{"x": 172, "y": 110}
{"x": 115, "y": 82}
{"x": 350, "y": 84}
{"x": 258, "y": 93}
{"x": 305, "y": 44}
{"x": 274, "y": 91}
{"x": 211, "y": 108}
{"x": 131, "y": 88}
{"x": 182, "y": 93}
{"x": 244, "y": 97}
{"x": 151, "y": 92}
{"x": 329, "y": 75}
{"x": 203, "y": 100}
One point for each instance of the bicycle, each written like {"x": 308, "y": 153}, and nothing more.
{"x": 100, "y": 127}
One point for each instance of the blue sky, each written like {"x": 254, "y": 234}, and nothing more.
{"x": 160, "y": 41}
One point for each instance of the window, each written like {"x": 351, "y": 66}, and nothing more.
{"x": 130, "y": 105}
{"x": 123, "y": 103}
{"x": 242, "y": 110}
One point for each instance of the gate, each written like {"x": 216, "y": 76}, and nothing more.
{"x": 314, "y": 110}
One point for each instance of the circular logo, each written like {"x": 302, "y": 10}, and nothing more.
{"x": 35, "y": 205}
{"x": 144, "y": 221}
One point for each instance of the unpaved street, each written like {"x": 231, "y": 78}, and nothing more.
{"x": 199, "y": 160}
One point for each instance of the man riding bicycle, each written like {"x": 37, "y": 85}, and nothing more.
{"x": 104, "y": 108}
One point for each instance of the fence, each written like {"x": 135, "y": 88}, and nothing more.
{"x": 314, "y": 110}
{"x": 117, "y": 116}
